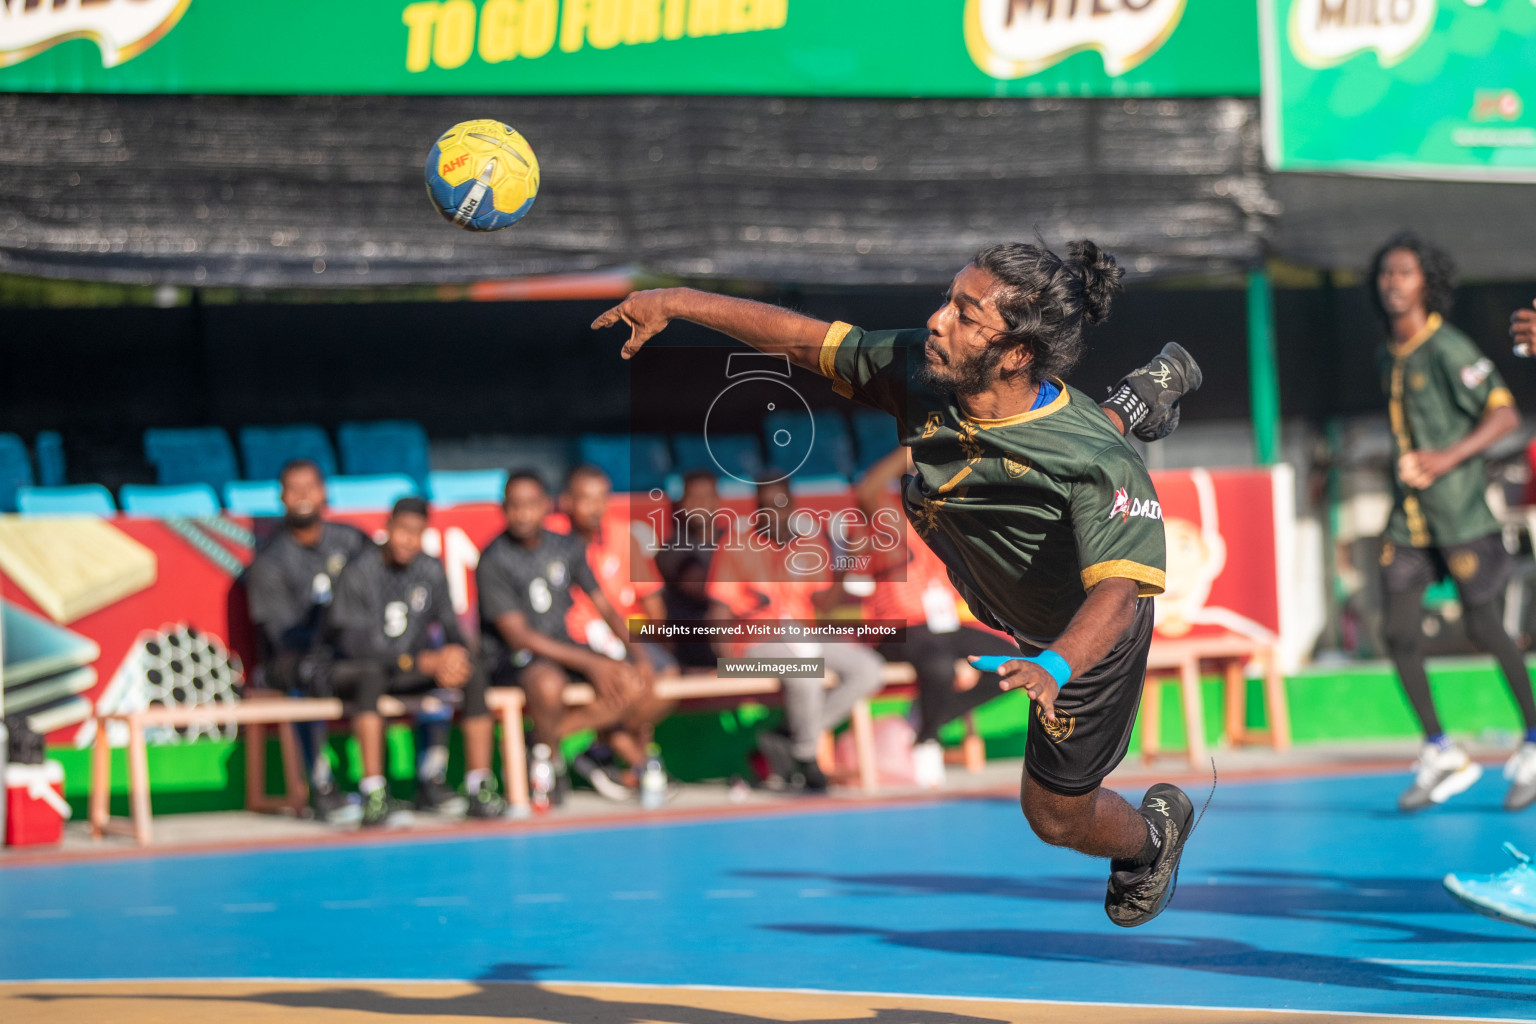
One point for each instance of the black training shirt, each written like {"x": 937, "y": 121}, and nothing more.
{"x": 535, "y": 581}
{"x": 289, "y": 586}
{"x": 387, "y": 611}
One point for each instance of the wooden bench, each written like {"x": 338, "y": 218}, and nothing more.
{"x": 267, "y": 709}
{"x": 259, "y": 710}
{"x": 1181, "y": 660}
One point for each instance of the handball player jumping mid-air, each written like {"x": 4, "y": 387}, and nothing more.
{"x": 1040, "y": 509}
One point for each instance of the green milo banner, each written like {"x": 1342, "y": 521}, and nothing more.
{"x": 771, "y": 47}
{"x": 1427, "y": 88}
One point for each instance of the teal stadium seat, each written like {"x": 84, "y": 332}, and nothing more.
{"x": 50, "y": 459}
{"x": 258, "y": 498}
{"x": 266, "y": 450}
{"x": 75, "y": 500}
{"x": 15, "y": 470}
{"x": 466, "y": 486}
{"x": 736, "y": 454}
{"x": 385, "y": 447}
{"x": 875, "y": 433}
{"x": 830, "y": 459}
{"x": 368, "y": 493}
{"x": 634, "y": 462}
{"x": 171, "y": 501}
{"x": 191, "y": 455}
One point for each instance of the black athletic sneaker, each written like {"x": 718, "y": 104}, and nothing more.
{"x": 788, "y": 771}
{"x": 329, "y": 805}
{"x": 598, "y": 776}
{"x": 380, "y": 810}
{"x": 1137, "y": 895}
{"x": 1157, "y": 387}
{"x": 487, "y": 802}
{"x": 433, "y": 796}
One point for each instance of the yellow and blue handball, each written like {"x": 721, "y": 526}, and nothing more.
{"x": 482, "y": 175}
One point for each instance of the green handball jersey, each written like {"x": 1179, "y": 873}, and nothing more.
{"x": 1439, "y": 385}
{"x": 1030, "y": 512}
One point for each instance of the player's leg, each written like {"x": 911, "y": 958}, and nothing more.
{"x": 949, "y": 703}
{"x": 303, "y": 676}
{"x": 1145, "y": 403}
{"x": 1481, "y": 570}
{"x": 791, "y": 752}
{"x": 1066, "y": 762}
{"x": 1443, "y": 769}
{"x": 636, "y": 730}
{"x": 363, "y": 682}
{"x": 478, "y": 727}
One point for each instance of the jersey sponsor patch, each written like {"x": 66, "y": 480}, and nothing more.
{"x": 1478, "y": 372}
{"x": 1127, "y": 507}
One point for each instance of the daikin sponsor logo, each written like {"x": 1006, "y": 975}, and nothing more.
{"x": 1015, "y": 38}
{"x": 122, "y": 29}
{"x": 1327, "y": 32}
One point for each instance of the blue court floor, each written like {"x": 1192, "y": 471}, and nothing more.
{"x": 1309, "y": 894}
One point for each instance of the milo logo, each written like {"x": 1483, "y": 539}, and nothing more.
{"x": 1327, "y": 32}
{"x": 1014, "y": 38}
{"x": 122, "y": 29}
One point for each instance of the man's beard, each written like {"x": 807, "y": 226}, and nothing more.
{"x": 301, "y": 520}
{"x": 970, "y": 376}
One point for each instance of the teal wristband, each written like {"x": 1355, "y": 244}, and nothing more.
{"x": 1055, "y": 665}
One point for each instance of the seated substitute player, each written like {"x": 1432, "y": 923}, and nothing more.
{"x": 393, "y": 624}
{"x": 628, "y": 578}
{"x": 912, "y": 586}
{"x": 288, "y": 587}
{"x": 775, "y": 574}
{"x": 1447, "y": 406}
{"x": 1039, "y": 507}
{"x": 524, "y": 581}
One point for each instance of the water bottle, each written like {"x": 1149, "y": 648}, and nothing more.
{"x": 541, "y": 778}
{"x": 653, "y": 780}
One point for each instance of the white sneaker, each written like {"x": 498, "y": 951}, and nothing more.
{"x": 928, "y": 764}
{"x": 1440, "y": 773}
{"x": 1520, "y": 770}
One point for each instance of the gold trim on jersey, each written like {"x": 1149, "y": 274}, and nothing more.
{"x": 1057, "y": 404}
{"x": 1498, "y": 398}
{"x": 826, "y": 361}
{"x": 1420, "y": 337}
{"x": 1418, "y": 529}
{"x": 1152, "y": 580}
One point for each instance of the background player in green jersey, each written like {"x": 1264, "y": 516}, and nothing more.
{"x": 1447, "y": 405}
{"x": 1041, "y": 510}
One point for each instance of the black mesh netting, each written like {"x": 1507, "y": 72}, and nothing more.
{"x": 281, "y": 191}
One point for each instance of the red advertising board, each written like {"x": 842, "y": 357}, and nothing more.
{"x": 99, "y": 613}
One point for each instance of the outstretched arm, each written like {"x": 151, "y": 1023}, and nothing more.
{"x": 764, "y": 327}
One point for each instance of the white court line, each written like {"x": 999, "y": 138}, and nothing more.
{"x": 565, "y": 983}
{"x": 541, "y": 897}
{"x": 249, "y": 908}
{"x": 638, "y": 894}
{"x": 729, "y": 894}
{"x": 441, "y": 901}
{"x": 150, "y": 911}
{"x": 38, "y": 915}
{"x": 1453, "y": 963}
{"x": 346, "y": 904}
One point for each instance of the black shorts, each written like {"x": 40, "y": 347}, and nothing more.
{"x": 1480, "y": 568}
{"x": 1095, "y": 713}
